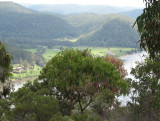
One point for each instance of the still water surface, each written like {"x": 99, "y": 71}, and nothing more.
{"x": 129, "y": 63}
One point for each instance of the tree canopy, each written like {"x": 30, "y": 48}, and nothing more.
{"x": 5, "y": 61}
{"x": 146, "y": 91}
{"x": 77, "y": 76}
{"x": 149, "y": 27}
{"x": 5, "y": 69}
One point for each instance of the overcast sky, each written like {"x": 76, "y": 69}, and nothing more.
{"x": 133, "y": 3}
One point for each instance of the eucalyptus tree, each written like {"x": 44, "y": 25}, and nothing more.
{"x": 149, "y": 27}
{"x": 146, "y": 91}
{"x": 77, "y": 77}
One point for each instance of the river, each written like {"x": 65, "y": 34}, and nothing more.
{"x": 129, "y": 62}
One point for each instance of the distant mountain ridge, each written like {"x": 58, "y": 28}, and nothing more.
{"x": 74, "y": 8}
{"x": 133, "y": 13}
{"x": 14, "y": 7}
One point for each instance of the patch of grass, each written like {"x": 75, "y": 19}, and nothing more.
{"x": 32, "y": 50}
{"x": 49, "y": 54}
{"x": 102, "y": 51}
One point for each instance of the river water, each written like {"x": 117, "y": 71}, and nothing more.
{"x": 129, "y": 62}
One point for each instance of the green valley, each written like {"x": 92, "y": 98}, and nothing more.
{"x": 34, "y": 37}
{"x": 74, "y": 62}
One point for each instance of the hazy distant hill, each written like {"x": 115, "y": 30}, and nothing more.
{"x": 14, "y": 7}
{"x": 115, "y": 33}
{"x": 22, "y": 26}
{"x": 133, "y": 13}
{"x": 73, "y": 8}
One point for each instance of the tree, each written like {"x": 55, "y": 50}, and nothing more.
{"x": 5, "y": 67}
{"x": 5, "y": 61}
{"x": 149, "y": 27}
{"x": 4, "y": 109}
{"x": 77, "y": 76}
{"x": 32, "y": 105}
{"x": 119, "y": 65}
{"x": 146, "y": 91}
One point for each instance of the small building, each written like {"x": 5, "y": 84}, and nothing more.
{"x": 19, "y": 68}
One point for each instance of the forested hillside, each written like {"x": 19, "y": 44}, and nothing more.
{"x": 28, "y": 29}
{"x": 115, "y": 33}
{"x": 20, "y": 56}
{"x": 23, "y": 26}
{"x": 112, "y": 30}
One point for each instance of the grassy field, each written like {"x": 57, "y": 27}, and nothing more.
{"x": 100, "y": 51}
{"x": 49, "y": 54}
{"x": 94, "y": 50}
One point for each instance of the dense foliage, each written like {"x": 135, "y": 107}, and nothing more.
{"x": 78, "y": 76}
{"x": 119, "y": 65}
{"x": 5, "y": 70}
{"x": 5, "y": 61}
{"x": 20, "y": 56}
{"x": 146, "y": 90}
{"x": 73, "y": 83}
{"x": 149, "y": 27}
{"x": 30, "y": 104}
